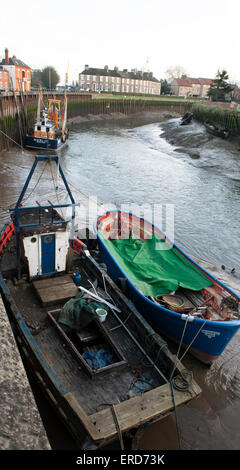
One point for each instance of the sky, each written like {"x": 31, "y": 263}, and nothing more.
{"x": 200, "y": 36}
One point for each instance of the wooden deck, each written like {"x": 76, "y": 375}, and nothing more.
{"x": 151, "y": 405}
{"x": 55, "y": 290}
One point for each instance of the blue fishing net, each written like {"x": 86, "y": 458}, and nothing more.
{"x": 101, "y": 358}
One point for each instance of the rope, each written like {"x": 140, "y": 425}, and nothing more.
{"x": 176, "y": 417}
{"x": 181, "y": 382}
{"x": 16, "y": 143}
{"x": 117, "y": 427}
{"x": 54, "y": 185}
{"x": 180, "y": 345}
{"x": 193, "y": 340}
{"x": 25, "y": 199}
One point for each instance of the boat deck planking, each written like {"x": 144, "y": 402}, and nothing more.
{"x": 89, "y": 392}
{"x": 55, "y": 290}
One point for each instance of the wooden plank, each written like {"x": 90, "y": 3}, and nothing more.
{"x": 53, "y": 281}
{"x": 138, "y": 410}
{"x": 82, "y": 416}
{"x": 55, "y": 294}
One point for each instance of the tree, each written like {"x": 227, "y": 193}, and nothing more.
{"x": 219, "y": 88}
{"x": 176, "y": 72}
{"x": 165, "y": 87}
{"x": 36, "y": 78}
{"x": 49, "y": 77}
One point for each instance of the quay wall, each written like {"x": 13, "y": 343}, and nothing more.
{"x": 21, "y": 425}
{"x": 18, "y": 111}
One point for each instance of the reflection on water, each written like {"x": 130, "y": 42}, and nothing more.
{"x": 125, "y": 162}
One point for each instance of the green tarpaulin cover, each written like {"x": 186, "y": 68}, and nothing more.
{"x": 152, "y": 268}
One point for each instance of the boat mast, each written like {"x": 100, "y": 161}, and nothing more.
{"x": 65, "y": 113}
{"x": 39, "y": 103}
{"x": 65, "y": 103}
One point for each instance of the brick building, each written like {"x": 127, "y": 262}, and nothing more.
{"x": 19, "y": 73}
{"x": 191, "y": 86}
{"x": 95, "y": 79}
{"x": 4, "y": 79}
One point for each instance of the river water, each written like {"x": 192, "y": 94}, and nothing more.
{"x": 146, "y": 162}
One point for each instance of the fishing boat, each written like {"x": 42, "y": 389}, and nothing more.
{"x": 103, "y": 368}
{"x": 175, "y": 295}
{"x": 50, "y": 131}
{"x": 216, "y": 130}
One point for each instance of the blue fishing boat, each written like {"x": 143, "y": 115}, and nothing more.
{"x": 50, "y": 131}
{"x": 176, "y": 295}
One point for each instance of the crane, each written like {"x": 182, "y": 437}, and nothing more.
{"x": 144, "y": 70}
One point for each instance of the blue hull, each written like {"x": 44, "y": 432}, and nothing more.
{"x": 212, "y": 337}
{"x": 41, "y": 143}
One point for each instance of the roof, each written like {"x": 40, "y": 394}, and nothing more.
{"x": 137, "y": 75}
{"x": 14, "y": 61}
{"x": 183, "y": 82}
{"x": 189, "y": 81}
{"x": 205, "y": 81}
{"x": 193, "y": 81}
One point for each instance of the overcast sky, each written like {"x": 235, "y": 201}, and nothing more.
{"x": 201, "y": 36}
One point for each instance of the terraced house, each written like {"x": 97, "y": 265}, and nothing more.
{"x": 19, "y": 72}
{"x": 107, "y": 80}
{"x": 191, "y": 86}
{"x": 4, "y": 79}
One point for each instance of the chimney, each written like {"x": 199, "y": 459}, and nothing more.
{"x": 6, "y": 57}
{"x": 86, "y": 67}
{"x": 106, "y": 68}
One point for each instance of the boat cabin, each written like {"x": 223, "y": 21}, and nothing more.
{"x": 44, "y": 241}
{"x": 49, "y": 121}
{"x": 44, "y": 127}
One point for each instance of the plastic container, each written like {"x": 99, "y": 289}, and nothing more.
{"x": 77, "y": 278}
{"x": 101, "y": 313}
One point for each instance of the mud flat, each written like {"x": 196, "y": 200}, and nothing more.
{"x": 157, "y": 116}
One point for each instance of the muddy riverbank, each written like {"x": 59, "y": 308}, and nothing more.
{"x": 147, "y": 116}
{"x": 194, "y": 141}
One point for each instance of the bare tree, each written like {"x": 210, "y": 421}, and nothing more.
{"x": 175, "y": 72}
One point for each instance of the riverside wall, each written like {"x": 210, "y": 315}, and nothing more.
{"x": 21, "y": 425}
{"x": 217, "y": 113}
{"x": 18, "y": 111}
